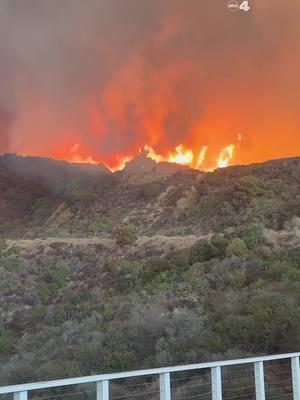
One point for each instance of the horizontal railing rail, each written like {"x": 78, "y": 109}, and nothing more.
{"x": 102, "y": 381}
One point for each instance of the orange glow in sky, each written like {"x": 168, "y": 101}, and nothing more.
{"x": 187, "y": 81}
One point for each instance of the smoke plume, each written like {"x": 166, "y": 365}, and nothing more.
{"x": 100, "y": 79}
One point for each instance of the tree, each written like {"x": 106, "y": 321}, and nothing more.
{"x": 251, "y": 234}
{"x": 201, "y": 251}
{"x": 237, "y": 247}
{"x": 247, "y": 188}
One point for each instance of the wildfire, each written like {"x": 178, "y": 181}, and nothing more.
{"x": 77, "y": 158}
{"x": 225, "y": 156}
{"x": 121, "y": 164}
{"x": 151, "y": 153}
{"x": 201, "y": 157}
{"x": 181, "y": 155}
{"x": 188, "y": 157}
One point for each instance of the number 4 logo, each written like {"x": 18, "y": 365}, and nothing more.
{"x": 245, "y": 5}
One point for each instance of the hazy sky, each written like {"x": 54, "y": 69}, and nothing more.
{"x": 102, "y": 78}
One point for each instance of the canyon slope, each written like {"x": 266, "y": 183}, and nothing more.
{"x": 153, "y": 265}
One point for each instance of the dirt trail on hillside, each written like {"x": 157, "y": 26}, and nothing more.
{"x": 158, "y": 241}
{"x": 28, "y": 244}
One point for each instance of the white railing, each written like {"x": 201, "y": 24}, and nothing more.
{"x": 102, "y": 382}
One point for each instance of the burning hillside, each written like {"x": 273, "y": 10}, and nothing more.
{"x": 180, "y": 156}
{"x": 96, "y": 83}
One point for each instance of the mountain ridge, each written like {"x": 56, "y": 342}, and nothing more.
{"x": 155, "y": 200}
{"x": 126, "y": 270}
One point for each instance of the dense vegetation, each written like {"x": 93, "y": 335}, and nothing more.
{"x": 150, "y": 269}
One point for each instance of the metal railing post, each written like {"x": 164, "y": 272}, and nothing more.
{"x": 21, "y": 395}
{"x": 102, "y": 390}
{"x": 216, "y": 383}
{"x": 259, "y": 380}
{"x": 296, "y": 377}
{"x": 165, "y": 386}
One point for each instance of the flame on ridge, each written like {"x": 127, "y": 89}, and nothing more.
{"x": 78, "y": 159}
{"x": 225, "y": 156}
{"x": 185, "y": 156}
{"x": 181, "y": 155}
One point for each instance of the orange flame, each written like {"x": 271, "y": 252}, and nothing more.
{"x": 225, "y": 156}
{"x": 181, "y": 155}
{"x": 122, "y": 164}
{"x": 151, "y": 153}
{"x": 77, "y": 159}
{"x": 201, "y": 157}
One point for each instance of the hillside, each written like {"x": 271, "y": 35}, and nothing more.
{"x": 147, "y": 267}
{"x": 180, "y": 202}
{"x": 53, "y": 173}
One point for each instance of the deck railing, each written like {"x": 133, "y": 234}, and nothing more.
{"x": 211, "y": 374}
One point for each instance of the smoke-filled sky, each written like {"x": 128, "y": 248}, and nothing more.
{"x": 100, "y": 79}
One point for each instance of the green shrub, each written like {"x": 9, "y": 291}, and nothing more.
{"x": 7, "y": 340}
{"x": 219, "y": 244}
{"x": 235, "y": 278}
{"x": 237, "y": 247}
{"x": 52, "y": 278}
{"x": 125, "y": 234}
{"x": 100, "y": 225}
{"x": 201, "y": 251}
{"x": 38, "y": 314}
{"x": 263, "y": 210}
{"x": 247, "y": 188}
{"x": 276, "y": 319}
{"x": 251, "y": 234}
{"x": 119, "y": 361}
{"x": 276, "y": 269}
{"x": 80, "y": 192}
